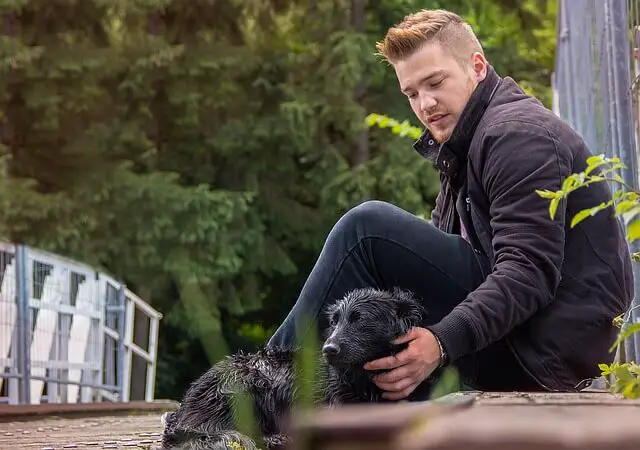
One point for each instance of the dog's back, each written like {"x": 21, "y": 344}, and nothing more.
{"x": 208, "y": 411}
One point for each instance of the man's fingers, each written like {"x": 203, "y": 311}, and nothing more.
{"x": 412, "y": 334}
{"x": 388, "y": 362}
{"x": 404, "y": 393}
{"x": 394, "y": 375}
{"x": 396, "y": 386}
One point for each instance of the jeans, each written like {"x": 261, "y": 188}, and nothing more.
{"x": 379, "y": 245}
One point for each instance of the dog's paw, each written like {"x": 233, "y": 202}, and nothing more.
{"x": 277, "y": 442}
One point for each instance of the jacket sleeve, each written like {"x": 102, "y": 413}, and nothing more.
{"x": 516, "y": 159}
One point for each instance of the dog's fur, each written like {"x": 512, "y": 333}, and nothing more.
{"x": 361, "y": 328}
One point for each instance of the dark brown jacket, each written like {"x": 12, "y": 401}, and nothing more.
{"x": 552, "y": 291}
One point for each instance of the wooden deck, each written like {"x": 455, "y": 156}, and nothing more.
{"x": 82, "y": 426}
{"x": 585, "y": 421}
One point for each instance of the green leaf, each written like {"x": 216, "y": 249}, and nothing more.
{"x": 447, "y": 383}
{"x": 553, "y": 207}
{"x": 605, "y": 369}
{"x": 569, "y": 183}
{"x": 546, "y": 193}
{"x": 623, "y": 374}
{"x": 633, "y": 231}
{"x": 625, "y": 333}
{"x": 625, "y": 206}
{"x": 593, "y": 161}
{"x": 580, "y": 216}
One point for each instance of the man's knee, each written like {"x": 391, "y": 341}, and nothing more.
{"x": 364, "y": 219}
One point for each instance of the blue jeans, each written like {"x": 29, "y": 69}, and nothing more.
{"x": 379, "y": 245}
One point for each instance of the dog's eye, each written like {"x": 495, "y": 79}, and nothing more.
{"x": 354, "y": 316}
{"x": 334, "y": 319}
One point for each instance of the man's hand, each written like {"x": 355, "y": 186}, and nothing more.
{"x": 410, "y": 367}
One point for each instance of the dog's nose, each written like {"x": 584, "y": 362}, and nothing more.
{"x": 330, "y": 349}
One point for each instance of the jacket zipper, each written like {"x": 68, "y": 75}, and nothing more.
{"x": 451, "y": 211}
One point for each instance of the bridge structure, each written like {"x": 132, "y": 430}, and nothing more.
{"x": 70, "y": 333}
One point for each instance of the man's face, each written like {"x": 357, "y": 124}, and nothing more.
{"x": 438, "y": 86}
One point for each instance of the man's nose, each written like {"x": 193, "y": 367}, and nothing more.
{"x": 427, "y": 102}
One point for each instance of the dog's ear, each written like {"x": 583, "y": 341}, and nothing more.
{"x": 331, "y": 308}
{"x": 408, "y": 309}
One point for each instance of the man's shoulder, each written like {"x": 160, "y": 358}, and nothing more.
{"x": 522, "y": 138}
{"x": 524, "y": 125}
{"x": 522, "y": 115}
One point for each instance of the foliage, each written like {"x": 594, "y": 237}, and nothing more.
{"x": 401, "y": 129}
{"x": 626, "y": 204}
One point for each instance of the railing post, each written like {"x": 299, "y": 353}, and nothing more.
{"x": 120, "y": 365}
{"x": 23, "y": 292}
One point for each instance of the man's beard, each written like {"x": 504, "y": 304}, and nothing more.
{"x": 442, "y": 135}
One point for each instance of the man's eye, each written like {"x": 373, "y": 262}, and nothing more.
{"x": 437, "y": 83}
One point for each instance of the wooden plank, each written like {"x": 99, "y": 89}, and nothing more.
{"x": 367, "y": 426}
{"x": 106, "y": 432}
{"x": 37, "y": 412}
{"x": 494, "y": 421}
{"x": 585, "y": 421}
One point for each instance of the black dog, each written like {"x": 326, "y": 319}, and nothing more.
{"x": 361, "y": 328}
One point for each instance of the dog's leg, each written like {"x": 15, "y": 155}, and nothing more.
{"x": 276, "y": 442}
{"x": 219, "y": 440}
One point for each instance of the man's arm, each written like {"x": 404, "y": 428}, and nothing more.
{"x": 518, "y": 158}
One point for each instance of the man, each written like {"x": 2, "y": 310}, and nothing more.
{"x": 517, "y": 300}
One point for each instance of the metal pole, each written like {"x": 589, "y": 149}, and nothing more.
{"x": 621, "y": 74}
{"x": 565, "y": 52}
{"x": 23, "y": 293}
{"x": 121, "y": 331}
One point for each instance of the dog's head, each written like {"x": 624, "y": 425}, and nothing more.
{"x": 364, "y": 322}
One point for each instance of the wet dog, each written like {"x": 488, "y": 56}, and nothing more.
{"x": 361, "y": 327}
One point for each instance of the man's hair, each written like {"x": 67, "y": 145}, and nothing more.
{"x": 427, "y": 26}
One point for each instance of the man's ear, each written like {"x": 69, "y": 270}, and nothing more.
{"x": 479, "y": 65}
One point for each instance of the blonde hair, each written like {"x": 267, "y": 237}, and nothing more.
{"x": 426, "y": 26}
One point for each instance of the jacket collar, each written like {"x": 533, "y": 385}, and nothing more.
{"x": 449, "y": 155}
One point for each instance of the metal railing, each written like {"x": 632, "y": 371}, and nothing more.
{"x": 71, "y": 334}
{"x": 595, "y": 87}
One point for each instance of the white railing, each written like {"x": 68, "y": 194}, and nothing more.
{"x": 69, "y": 333}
